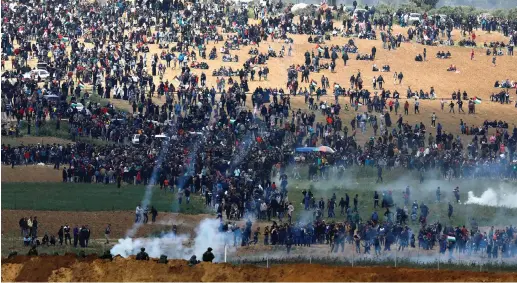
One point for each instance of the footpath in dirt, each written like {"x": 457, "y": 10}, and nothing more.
{"x": 70, "y": 268}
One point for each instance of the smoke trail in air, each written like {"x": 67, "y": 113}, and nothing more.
{"x": 149, "y": 188}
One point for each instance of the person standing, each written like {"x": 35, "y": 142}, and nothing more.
{"x": 154, "y": 213}
{"x": 417, "y": 106}
{"x": 88, "y": 234}
{"x": 460, "y": 106}
{"x": 380, "y": 81}
{"x": 34, "y": 231}
{"x": 472, "y": 55}
{"x": 138, "y": 213}
{"x": 76, "y": 235}
{"x": 400, "y": 77}
{"x": 146, "y": 215}
{"x": 451, "y": 107}
{"x": 187, "y": 195}
{"x": 60, "y": 234}
{"x": 433, "y": 120}
{"x": 425, "y": 54}
{"x": 290, "y": 209}
{"x": 107, "y": 233}
{"x": 66, "y": 230}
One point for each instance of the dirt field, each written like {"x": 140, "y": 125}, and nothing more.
{"x": 69, "y": 268}
{"x": 31, "y": 174}
{"x": 120, "y": 221}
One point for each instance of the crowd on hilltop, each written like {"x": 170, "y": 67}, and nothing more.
{"x": 118, "y": 66}
{"x": 202, "y": 139}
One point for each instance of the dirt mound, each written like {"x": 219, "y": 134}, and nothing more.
{"x": 31, "y": 174}
{"x": 71, "y": 268}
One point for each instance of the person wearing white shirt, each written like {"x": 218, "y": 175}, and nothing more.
{"x": 138, "y": 213}
{"x": 290, "y": 209}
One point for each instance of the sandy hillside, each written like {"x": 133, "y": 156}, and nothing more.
{"x": 477, "y": 77}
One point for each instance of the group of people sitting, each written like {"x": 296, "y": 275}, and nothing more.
{"x": 467, "y": 42}
{"x": 458, "y": 95}
{"x": 385, "y": 68}
{"x": 443, "y": 55}
{"x": 230, "y": 58}
{"x": 493, "y": 44}
{"x": 350, "y": 47}
{"x": 505, "y": 84}
{"x": 419, "y": 58}
{"x": 364, "y": 57}
{"x": 199, "y": 65}
{"x": 316, "y": 39}
{"x": 225, "y": 72}
{"x": 496, "y": 124}
{"x": 495, "y": 52}
{"x": 253, "y": 51}
{"x": 421, "y": 94}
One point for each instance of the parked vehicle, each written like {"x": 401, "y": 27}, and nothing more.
{"x": 43, "y": 74}
{"x": 414, "y": 19}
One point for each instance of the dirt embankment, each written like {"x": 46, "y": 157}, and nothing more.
{"x": 69, "y": 268}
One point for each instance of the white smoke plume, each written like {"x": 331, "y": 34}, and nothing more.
{"x": 490, "y": 197}
{"x": 178, "y": 246}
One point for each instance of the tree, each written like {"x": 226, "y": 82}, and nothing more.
{"x": 421, "y": 3}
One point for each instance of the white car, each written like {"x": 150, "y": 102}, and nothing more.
{"x": 44, "y": 74}
{"x": 414, "y": 18}
{"x": 136, "y": 139}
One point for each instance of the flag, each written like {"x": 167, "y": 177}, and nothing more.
{"x": 81, "y": 85}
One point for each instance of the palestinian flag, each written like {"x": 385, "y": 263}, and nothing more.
{"x": 81, "y": 85}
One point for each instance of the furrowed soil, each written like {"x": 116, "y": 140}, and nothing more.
{"x": 70, "y": 268}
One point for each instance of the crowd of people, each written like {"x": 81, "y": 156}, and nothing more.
{"x": 206, "y": 141}
{"x": 80, "y": 234}
{"x": 377, "y": 235}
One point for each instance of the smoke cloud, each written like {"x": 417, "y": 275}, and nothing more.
{"x": 502, "y": 198}
{"x": 179, "y": 246}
